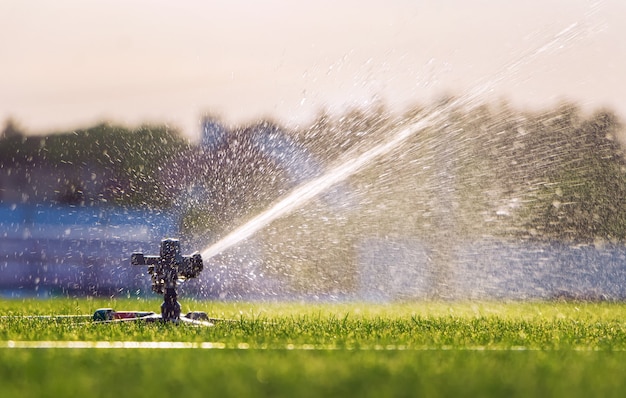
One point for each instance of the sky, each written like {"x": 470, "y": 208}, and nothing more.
{"x": 68, "y": 64}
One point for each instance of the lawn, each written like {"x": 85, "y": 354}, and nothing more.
{"x": 303, "y": 349}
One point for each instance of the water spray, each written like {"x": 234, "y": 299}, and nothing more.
{"x": 306, "y": 192}
{"x": 355, "y": 161}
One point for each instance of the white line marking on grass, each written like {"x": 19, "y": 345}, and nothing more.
{"x": 169, "y": 345}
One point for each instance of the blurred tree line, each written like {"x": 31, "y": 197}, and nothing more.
{"x": 488, "y": 170}
{"x": 122, "y": 165}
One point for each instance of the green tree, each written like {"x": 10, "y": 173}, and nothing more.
{"x": 129, "y": 159}
{"x": 583, "y": 190}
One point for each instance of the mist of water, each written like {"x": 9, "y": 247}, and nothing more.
{"x": 356, "y": 161}
{"x": 305, "y": 192}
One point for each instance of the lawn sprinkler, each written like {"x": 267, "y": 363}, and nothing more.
{"x": 165, "y": 270}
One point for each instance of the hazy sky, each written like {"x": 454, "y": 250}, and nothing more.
{"x": 70, "y": 63}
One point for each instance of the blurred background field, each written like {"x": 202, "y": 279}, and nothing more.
{"x": 486, "y": 202}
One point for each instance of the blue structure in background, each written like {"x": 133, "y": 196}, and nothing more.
{"x": 490, "y": 269}
{"x": 49, "y": 250}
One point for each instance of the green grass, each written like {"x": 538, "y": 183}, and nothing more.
{"x": 410, "y": 349}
